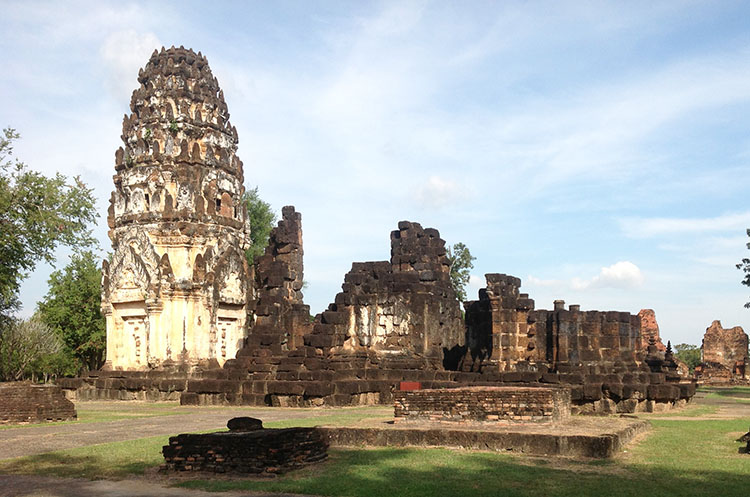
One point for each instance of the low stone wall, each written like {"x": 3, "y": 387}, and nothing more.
{"x": 597, "y": 444}
{"x": 22, "y": 402}
{"x": 261, "y": 451}
{"x": 593, "y": 389}
{"x": 484, "y": 404}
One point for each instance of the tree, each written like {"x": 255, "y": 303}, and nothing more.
{"x": 745, "y": 267}
{"x": 24, "y": 343}
{"x": 72, "y": 309}
{"x": 689, "y": 354}
{"x": 37, "y": 214}
{"x": 461, "y": 263}
{"x": 262, "y": 219}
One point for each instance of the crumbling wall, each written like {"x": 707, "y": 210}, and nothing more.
{"x": 484, "y": 404}
{"x": 403, "y": 307}
{"x": 506, "y": 333}
{"x": 281, "y": 316}
{"x": 724, "y": 353}
{"x": 650, "y": 329}
{"x": 22, "y": 402}
{"x": 262, "y": 451}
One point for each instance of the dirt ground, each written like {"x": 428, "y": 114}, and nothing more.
{"x": 38, "y": 439}
{"x": 42, "y": 486}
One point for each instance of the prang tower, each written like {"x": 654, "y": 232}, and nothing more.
{"x": 177, "y": 288}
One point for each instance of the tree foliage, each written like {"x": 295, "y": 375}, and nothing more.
{"x": 461, "y": 263}
{"x": 72, "y": 310}
{"x": 744, "y": 266}
{"x": 24, "y": 346}
{"x": 689, "y": 354}
{"x": 37, "y": 214}
{"x": 262, "y": 220}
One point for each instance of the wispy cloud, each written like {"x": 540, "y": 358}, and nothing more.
{"x": 623, "y": 274}
{"x": 665, "y": 226}
{"x": 439, "y": 192}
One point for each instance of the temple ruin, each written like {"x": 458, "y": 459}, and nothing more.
{"x": 188, "y": 319}
{"x": 176, "y": 289}
{"x": 724, "y": 355}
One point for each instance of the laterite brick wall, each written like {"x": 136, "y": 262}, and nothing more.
{"x": 493, "y": 404}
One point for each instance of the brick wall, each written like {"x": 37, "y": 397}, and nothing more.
{"x": 256, "y": 452}
{"x": 488, "y": 404}
{"x": 30, "y": 403}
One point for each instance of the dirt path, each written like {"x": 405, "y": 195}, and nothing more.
{"x": 729, "y": 407}
{"x": 31, "y": 440}
{"x": 42, "y": 486}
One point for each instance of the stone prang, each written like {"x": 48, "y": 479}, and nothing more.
{"x": 724, "y": 353}
{"x": 176, "y": 289}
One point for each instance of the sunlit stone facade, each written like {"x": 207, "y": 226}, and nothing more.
{"x": 175, "y": 291}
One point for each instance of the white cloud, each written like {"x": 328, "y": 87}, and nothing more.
{"x": 623, "y": 274}
{"x": 658, "y": 226}
{"x": 439, "y": 192}
{"x": 124, "y": 53}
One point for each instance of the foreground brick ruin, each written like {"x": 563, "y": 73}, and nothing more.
{"x": 187, "y": 319}
{"x": 22, "y": 402}
{"x": 725, "y": 355}
{"x": 248, "y": 450}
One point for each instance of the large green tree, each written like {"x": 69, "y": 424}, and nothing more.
{"x": 745, "y": 267}
{"x": 24, "y": 346}
{"x": 262, "y": 219}
{"x": 71, "y": 309}
{"x": 37, "y": 214}
{"x": 461, "y": 263}
{"x": 689, "y": 354}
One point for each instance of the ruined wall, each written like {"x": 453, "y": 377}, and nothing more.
{"x": 725, "y": 354}
{"x": 650, "y": 329}
{"x": 506, "y": 333}
{"x": 484, "y": 404}
{"x": 282, "y": 318}
{"x": 22, "y": 402}
{"x": 175, "y": 290}
{"x": 262, "y": 451}
{"x": 405, "y": 307}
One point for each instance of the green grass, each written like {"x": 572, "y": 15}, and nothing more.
{"x": 691, "y": 411}
{"x": 119, "y": 459}
{"x": 685, "y": 457}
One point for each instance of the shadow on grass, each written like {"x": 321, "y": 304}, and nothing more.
{"x": 439, "y": 472}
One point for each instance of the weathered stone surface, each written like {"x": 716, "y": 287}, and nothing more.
{"x": 725, "y": 354}
{"x": 488, "y": 404}
{"x": 262, "y": 451}
{"x": 244, "y": 423}
{"x": 650, "y": 329}
{"x": 22, "y": 402}
{"x": 176, "y": 289}
{"x": 602, "y": 445}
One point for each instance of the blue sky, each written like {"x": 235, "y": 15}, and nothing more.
{"x": 599, "y": 151}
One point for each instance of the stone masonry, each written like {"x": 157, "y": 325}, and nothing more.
{"x": 176, "y": 289}
{"x": 484, "y": 404}
{"x": 187, "y": 317}
{"x": 22, "y": 402}
{"x": 261, "y": 451}
{"x": 649, "y": 329}
{"x": 725, "y": 355}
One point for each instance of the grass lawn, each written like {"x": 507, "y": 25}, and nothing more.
{"x": 690, "y": 456}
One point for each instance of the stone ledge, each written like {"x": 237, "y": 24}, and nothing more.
{"x": 600, "y": 445}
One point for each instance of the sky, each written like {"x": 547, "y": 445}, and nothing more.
{"x": 599, "y": 151}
